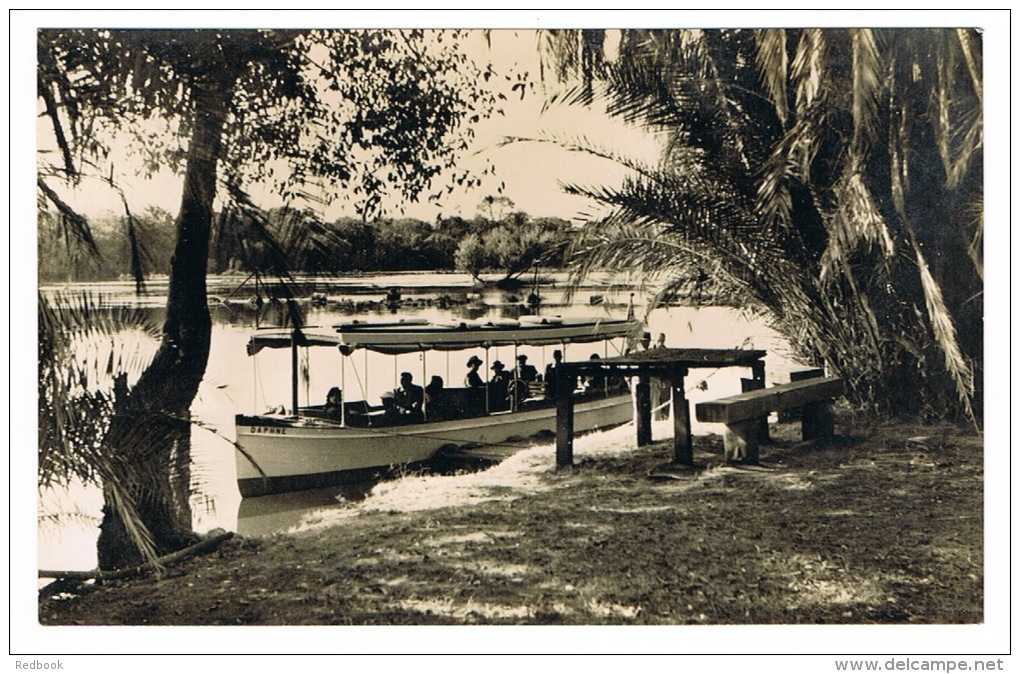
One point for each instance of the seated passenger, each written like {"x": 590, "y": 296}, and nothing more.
{"x": 435, "y": 398}
{"x": 334, "y": 403}
{"x": 499, "y": 374}
{"x": 525, "y": 372}
{"x": 595, "y": 382}
{"x": 473, "y": 379}
{"x": 409, "y": 397}
{"x": 498, "y": 385}
{"x": 555, "y": 383}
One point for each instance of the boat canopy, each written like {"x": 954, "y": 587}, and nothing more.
{"x": 397, "y": 337}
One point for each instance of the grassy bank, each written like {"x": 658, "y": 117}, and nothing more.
{"x": 882, "y": 525}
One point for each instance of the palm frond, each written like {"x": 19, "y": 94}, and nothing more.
{"x": 583, "y": 145}
{"x": 975, "y": 249}
{"x": 808, "y": 68}
{"x": 558, "y": 53}
{"x": 945, "y": 334}
{"x": 867, "y": 88}
{"x": 261, "y": 249}
{"x": 121, "y": 500}
{"x": 971, "y": 55}
{"x": 74, "y": 224}
{"x": 773, "y": 64}
{"x": 78, "y": 398}
{"x": 956, "y": 102}
{"x": 52, "y": 112}
{"x": 856, "y": 220}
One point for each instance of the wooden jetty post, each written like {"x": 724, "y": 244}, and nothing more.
{"x": 564, "y": 428}
{"x": 683, "y": 445}
{"x": 643, "y": 399}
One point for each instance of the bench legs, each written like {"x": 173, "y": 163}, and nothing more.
{"x": 740, "y": 442}
{"x": 742, "y": 438}
{"x": 757, "y": 385}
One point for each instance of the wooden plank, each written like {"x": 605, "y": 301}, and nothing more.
{"x": 801, "y": 375}
{"x": 659, "y": 362}
{"x": 760, "y": 403}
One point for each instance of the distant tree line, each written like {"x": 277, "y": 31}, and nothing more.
{"x": 503, "y": 243}
{"x": 151, "y": 235}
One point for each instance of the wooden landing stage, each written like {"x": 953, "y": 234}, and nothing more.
{"x": 671, "y": 365}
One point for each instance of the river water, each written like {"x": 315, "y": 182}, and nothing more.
{"x": 235, "y": 382}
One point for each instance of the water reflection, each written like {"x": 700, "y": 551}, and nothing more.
{"x": 276, "y": 513}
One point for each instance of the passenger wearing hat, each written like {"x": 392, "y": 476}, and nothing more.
{"x": 499, "y": 374}
{"x": 662, "y": 390}
{"x": 498, "y": 385}
{"x": 473, "y": 379}
{"x": 552, "y": 379}
{"x": 525, "y": 372}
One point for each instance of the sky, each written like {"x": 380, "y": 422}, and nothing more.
{"x": 531, "y": 178}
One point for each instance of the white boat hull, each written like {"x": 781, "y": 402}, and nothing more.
{"x": 312, "y": 453}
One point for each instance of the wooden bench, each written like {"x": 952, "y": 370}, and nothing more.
{"x": 743, "y": 414}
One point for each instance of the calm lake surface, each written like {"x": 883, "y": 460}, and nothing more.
{"x": 235, "y": 382}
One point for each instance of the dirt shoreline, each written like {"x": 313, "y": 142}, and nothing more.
{"x": 883, "y": 525}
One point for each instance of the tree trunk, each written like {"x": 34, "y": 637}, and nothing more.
{"x": 150, "y": 434}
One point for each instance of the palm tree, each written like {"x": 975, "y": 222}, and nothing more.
{"x": 829, "y": 178}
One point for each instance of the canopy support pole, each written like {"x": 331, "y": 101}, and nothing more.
{"x": 486, "y": 380}
{"x": 424, "y": 396}
{"x": 513, "y": 396}
{"x": 343, "y": 390}
{"x": 294, "y": 372}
